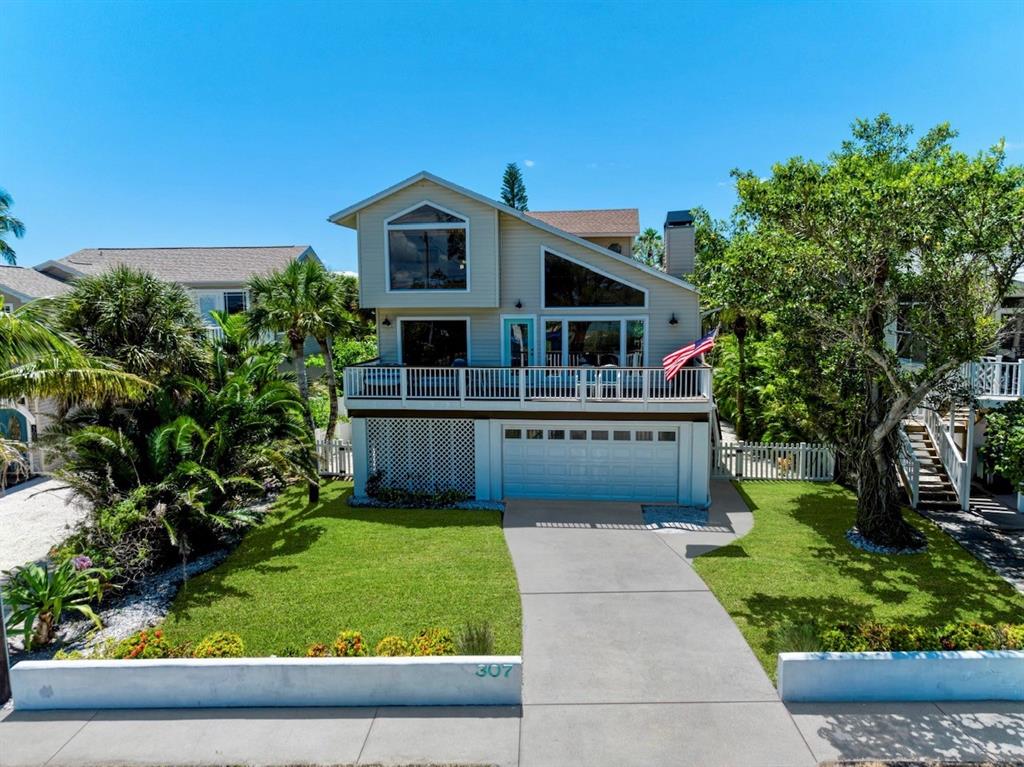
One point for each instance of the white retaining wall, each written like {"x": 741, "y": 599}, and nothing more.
{"x": 221, "y": 682}
{"x": 901, "y": 676}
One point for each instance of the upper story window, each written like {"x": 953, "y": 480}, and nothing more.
{"x": 427, "y": 250}
{"x": 235, "y": 301}
{"x": 567, "y": 283}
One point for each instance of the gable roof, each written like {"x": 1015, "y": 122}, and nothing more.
{"x": 346, "y": 217}
{"x": 610, "y": 222}
{"x": 190, "y": 266}
{"x": 26, "y": 284}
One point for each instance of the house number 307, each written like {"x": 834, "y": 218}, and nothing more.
{"x": 494, "y": 669}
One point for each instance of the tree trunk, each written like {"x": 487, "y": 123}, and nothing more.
{"x": 299, "y": 358}
{"x": 332, "y": 384}
{"x": 879, "y": 508}
{"x": 739, "y": 329}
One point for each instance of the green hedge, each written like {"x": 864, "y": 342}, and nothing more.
{"x": 893, "y": 637}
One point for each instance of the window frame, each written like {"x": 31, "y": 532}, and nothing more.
{"x": 597, "y": 270}
{"x": 564, "y": 319}
{"x": 445, "y": 225}
{"x": 432, "y": 318}
{"x": 242, "y": 292}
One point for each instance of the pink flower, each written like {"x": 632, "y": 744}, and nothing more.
{"x": 81, "y": 562}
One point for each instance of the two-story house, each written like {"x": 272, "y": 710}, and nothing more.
{"x": 520, "y": 353}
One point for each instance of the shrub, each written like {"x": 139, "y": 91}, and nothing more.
{"x": 63, "y": 654}
{"x": 290, "y": 652}
{"x": 797, "y": 637}
{"x": 967, "y": 636}
{"x": 220, "y": 644}
{"x": 844, "y": 637}
{"x": 412, "y": 499}
{"x": 476, "y": 639}
{"x": 433, "y": 641}
{"x": 392, "y": 646}
{"x": 1011, "y": 637}
{"x": 349, "y": 644}
{"x": 908, "y": 638}
{"x": 145, "y": 644}
{"x": 318, "y": 650}
{"x": 39, "y": 596}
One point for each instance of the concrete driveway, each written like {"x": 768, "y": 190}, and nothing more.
{"x": 627, "y": 657}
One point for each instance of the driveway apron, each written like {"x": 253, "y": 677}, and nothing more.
{"x": 628, "y": 657}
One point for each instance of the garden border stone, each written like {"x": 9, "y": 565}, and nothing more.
{"x": 820, "y": 677}
{"x": 483, "y": 680}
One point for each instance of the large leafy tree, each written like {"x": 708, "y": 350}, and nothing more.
{"x": 513, "y": 188}
{"x": 838, "y": 246}
{"x": 650, "y": 248}
{"x": 9, "y": 225}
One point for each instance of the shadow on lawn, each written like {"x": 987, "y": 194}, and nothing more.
{"x": 955, "y": 585}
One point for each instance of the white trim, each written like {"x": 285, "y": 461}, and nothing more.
{"x": 345, "y": 213}
{"x": 388, "y": 226}
{"x": 564, "y": 318}
{"x": 579, "y": 262}
{"x": 430, "y": 318}
{"x": 505, "y": 361}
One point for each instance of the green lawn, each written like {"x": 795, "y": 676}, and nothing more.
{"x": 308, "y": 572}
{"x": 796, "y": 566}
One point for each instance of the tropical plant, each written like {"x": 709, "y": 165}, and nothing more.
{"x": 1003, "y": 450}
{"x": 650, "y": 248}
{"x": 350, "y": 644}
{"x": 149, "y": 327}
{"x": 39, "y": 596}
{"x": 835, "y": 248}
{"x": 475, "y": 639}
{"x": 392, "y": 646}
{"x": 433, "y": 641}
{"x": 513, "y": 188}
{"x": 220, "y": 644}
{"x": 326, "y": 292}
{"x": 8, "y": 225}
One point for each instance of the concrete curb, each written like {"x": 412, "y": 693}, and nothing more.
{"x": 806, "y": 677}
{"x": 485, "y": 680}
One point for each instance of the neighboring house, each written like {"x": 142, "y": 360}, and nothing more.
{"x": 217, "y": 278}
{"x": 520, "y": 356}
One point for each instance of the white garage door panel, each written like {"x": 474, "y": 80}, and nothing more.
{"x": 643, "y": 467}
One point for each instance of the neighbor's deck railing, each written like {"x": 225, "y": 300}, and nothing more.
{"x": 995, "y": 379}
{"x": 773, "y": 460}
{"x": 567, "y": 384}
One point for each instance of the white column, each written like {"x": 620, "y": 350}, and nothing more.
{"x": 685, "y": 495}
{"x": 360, "y": 453}
{"x": 700, "y": 482}
{"x": 965, "y": 499}
{"x": 482, "y": 459}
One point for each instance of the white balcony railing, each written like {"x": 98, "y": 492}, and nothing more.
{"x": 995, "y": 379}
{"x": 564, "y": 384}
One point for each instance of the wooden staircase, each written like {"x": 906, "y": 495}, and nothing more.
{"x": 936, "y": 491}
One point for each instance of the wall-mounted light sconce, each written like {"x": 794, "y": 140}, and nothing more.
{"x": 673, "y": 320}
{"x": 519, "y": 304}
{"x": 386, "y": 323}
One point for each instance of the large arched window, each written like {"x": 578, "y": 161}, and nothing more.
{"x": 427, "y": 249}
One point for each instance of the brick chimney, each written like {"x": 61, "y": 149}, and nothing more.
{"x": 680, "y": 250}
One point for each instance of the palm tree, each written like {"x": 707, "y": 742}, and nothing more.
{"x": 328, "y": 293}
{"x": 8, "y": 225}
{"x": 650, "y": 249}
{"x": 286, "y": 301}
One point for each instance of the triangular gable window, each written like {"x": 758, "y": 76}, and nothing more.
{"x": 567, "y": 283}
{"x": 426, "y": 214}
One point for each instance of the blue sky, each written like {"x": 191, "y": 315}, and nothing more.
{"x": 241, "y": 124}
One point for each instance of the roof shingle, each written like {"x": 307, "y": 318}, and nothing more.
{"x": 188, "y": 265}
{"x": 592, "y": 223}
{"x": 30, "y": 283}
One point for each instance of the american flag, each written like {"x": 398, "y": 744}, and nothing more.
{"x": 675, "y": 361}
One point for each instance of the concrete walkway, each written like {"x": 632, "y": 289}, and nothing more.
{"x": 34, "y": 516}
{"x": 628, "y": 658}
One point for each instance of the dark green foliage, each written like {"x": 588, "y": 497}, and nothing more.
{"x": 8, "y": 225}
{"x": 893, "y": 637}
{"x": 513, "y": 188}
{"x": 1003, "y": 449}
{"x": 398, "y": 497}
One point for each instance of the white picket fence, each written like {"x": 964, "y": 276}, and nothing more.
{"x": 334, "y": 457}
{"x": 773, "y": 461}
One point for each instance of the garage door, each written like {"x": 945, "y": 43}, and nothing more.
{"x": 598, "y": 461}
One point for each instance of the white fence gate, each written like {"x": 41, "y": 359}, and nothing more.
{"x": 773, "y": 460}
{"x": 334, "y": 457}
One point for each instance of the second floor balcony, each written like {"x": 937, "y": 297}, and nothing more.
{"x": 606, "y": 388}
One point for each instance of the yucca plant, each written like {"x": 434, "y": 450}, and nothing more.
{"x": 39, "y": 597}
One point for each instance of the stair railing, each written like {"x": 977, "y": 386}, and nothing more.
{"x": 910, "y": 469}
{"x": 952, "y": 461}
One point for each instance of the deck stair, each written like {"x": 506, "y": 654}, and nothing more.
{"x": 936, "y": 491}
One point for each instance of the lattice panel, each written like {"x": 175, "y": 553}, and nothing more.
{"x": 422, "y": 454}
